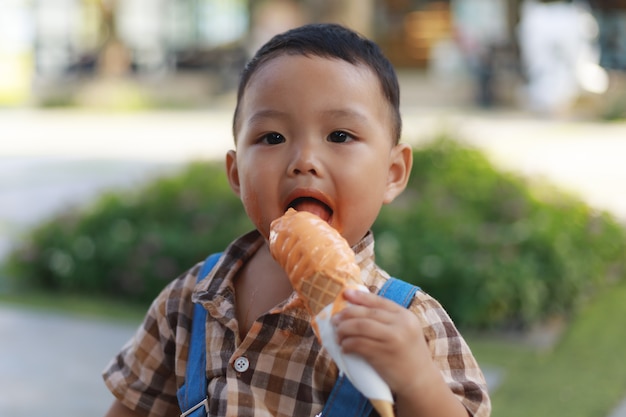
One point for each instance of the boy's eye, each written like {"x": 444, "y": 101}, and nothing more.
{"x": 273, "y": 138}
{"x": 339, "y": 137}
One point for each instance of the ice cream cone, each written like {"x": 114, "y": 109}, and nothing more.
{"x": 317, "y": 259}
{"x": 384, "y": 408}
{"x": 319, "y": 291}
{"x": 321, "y": 265}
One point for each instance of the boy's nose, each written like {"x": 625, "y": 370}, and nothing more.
{"x": 304, "y": 160}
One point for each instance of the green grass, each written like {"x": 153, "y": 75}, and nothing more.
{"x": 77, "y": 305}
{"x": 583, "y": 376}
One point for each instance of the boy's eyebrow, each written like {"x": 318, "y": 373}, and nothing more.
{"x": 266, "y": 114}
{"x": 330, "y": 113}
{"x": 344, "y": 113}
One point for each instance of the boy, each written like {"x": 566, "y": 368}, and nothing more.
{"x": 317, "y": 128}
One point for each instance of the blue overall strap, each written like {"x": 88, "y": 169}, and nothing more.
{"x": 345, "y": 400}
{"x": 192, "y": 395}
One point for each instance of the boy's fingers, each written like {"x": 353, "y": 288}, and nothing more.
{"x": 366, "y": 314}
{"x": 368, "y": 299}
{"x": 364, "y": 346}
{"x": 362, "y": 312}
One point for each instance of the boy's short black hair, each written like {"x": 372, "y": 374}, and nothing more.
{"x": 328, "y": 40}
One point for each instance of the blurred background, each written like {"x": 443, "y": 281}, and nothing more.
{"x": 181, "y": 53}
{"x": 115, "y": 116}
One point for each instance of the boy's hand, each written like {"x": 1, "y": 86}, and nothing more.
{"x": 388, "y": 336}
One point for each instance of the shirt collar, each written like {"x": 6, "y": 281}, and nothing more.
{"x": 219, "y": 285}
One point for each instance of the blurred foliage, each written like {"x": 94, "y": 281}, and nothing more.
{"x": 494, "y": 250}
{"x": 491, "y": 248}
{"x": 580, "y": 376}
{"x": 133, "y": 243}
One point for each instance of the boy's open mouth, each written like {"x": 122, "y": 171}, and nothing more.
{"x": 312, "y": 205}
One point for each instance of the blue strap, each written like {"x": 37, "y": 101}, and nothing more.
{"x": 399, "y": 291}
{"x": 345, "y": 400}
{"x": 192, "y": 395}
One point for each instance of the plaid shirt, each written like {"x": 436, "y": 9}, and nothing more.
{"x": 288, "y": 373}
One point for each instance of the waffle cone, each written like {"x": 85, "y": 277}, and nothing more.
{"x": 319, "y": 290}
{"x": 384, "y": 408}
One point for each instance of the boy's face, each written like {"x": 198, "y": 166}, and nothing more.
{"x": 316, "y": 134}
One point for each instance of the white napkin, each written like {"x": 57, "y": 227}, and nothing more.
{"x": 359, "y": 372}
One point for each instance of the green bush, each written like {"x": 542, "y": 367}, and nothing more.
{"x": 489, "y": 248}
{"x": 133, "y": 243}
{"x": 492, "y": 251}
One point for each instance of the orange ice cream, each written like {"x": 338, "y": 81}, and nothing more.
{"x": 317, "y": 259}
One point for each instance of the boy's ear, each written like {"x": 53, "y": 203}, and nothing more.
{"x": 399, "y": 171}
{"x": 233, "y": 172}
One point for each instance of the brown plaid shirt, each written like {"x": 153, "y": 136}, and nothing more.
{"x": 289, "y": 374}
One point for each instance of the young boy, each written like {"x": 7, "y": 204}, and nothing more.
{"x": 317, "y": 128}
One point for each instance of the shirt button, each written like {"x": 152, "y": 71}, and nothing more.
{"x": 242, "y": 364}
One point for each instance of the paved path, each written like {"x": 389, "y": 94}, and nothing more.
{"x": 584, "y": 158}
{"x": 51, "y": 364}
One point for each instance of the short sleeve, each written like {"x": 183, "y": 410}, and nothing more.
{"x": 452, "y": 355}
{"x": 143, "y": 375}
